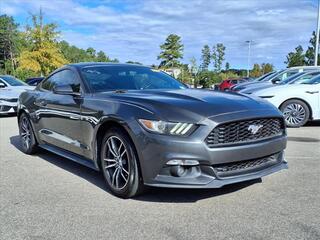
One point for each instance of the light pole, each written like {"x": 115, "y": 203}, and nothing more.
{"x": 249, "y": 52}
{"x": 317, "y": 39}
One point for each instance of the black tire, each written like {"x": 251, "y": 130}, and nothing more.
{"x": 26, "y": 133}
{"x": 128, "y": 163}
{"x": 292, "y": 107}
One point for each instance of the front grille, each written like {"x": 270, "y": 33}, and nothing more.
{"x": 243, "y": 131}
{"x": 248, "y": 166}
{"x": 5, "y": 108}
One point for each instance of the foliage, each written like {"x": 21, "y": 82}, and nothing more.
{"x": 9, "y": 43}
{"x": 228, "y": 75}
{"x": 43, "y": 54}
{"x": 218, "y": 52}
{"x": 296, "y": 58}
{"x": 194, "y": 69}
{"x": 205, "y": 57}
{"x": 256, "y": 71}
{"x": 208, "y": 78}
{"x": 227, "y": 66}
{"x": 259, "y": 70}
{"x": 186, "y": 75}
{"x": 266, "y": 68}
{"x": 133, "y": 62}
{"x": 74, "y": 54}
{"x": 311, "y": 50}
{"x": 171, "y": 51}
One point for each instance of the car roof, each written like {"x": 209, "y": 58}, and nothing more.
{"x": 306, "y": 67}
{"x": 89, "y": 64}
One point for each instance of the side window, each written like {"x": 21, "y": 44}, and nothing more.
{"x": 62, "y": 78}
{"x": 234, "y": 81}
{"x": 67, "y": 77}
{"x": 290, "y": 73}
{"x": 47, "y": 84}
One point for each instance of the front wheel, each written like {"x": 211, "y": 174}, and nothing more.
{"x": 119, "y": 164}
{"x": 28, "y": 140}
{"x": 296, "y": 113}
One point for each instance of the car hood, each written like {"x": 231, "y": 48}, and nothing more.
{"x": 241, "y": 86}
{"x": 173, "y": 104}
{"x": 258, "y": 86}
{"x": 14, "y": 92}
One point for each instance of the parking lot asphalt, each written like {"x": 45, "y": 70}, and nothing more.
{"x": 48, "y": 197}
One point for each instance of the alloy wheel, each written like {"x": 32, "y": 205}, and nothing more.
{"x": 294, "y": 114}
{"x": 117, "y": 162}
{"x": 25, "y": 133}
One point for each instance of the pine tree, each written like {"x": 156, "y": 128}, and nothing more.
{"x": 171, "y": 51}
{"x": 205, "y": 57}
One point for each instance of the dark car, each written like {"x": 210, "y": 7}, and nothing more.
{"x": 34, "y": 81}
{"x": 140, "y": 126}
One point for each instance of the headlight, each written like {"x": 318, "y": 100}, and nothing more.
{"x": 267, "y": 96}
{"x": 169, "y": 128}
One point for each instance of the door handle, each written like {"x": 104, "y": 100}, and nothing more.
{"x": 312, "y": 92}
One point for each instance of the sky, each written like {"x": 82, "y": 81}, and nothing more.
{"x": 134, "y": 29}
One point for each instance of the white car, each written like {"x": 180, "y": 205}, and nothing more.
{"x": 298, "y": 102}
{"x": 10, "y": 89}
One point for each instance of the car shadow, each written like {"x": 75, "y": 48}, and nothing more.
{"x": 165, "y": 195}
{"x": 315, "y": 123}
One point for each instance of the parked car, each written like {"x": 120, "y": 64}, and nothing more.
{"x": 10, "y": 89}
{"x": 140, "y": 126}
{"x": 296, "y": 78}
{"x": 299, "y": 103}
{"x": 34, "y": 81}
{"x": 282, "y": 75}
{"x": 261, "y": 78}
{"x": 228, "y": 83}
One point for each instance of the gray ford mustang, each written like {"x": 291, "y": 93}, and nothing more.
{"x": 141, "y": 127}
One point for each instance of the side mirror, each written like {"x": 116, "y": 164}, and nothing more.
{"x": 275, "y": 81}
{"x": 65, "y": 90}
{"x": 2, "y": 85}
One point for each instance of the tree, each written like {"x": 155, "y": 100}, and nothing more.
{"x": 171, "y": 51}
{"x": 296, "y": 58}
{"x": 227, "y": 66}
{"x": 311, "y": 50}
{"x": 205, "y": 58}
{"x": 218, "y": 52}
{"x": 102, "y": 57}
{"x": 185, "y": 76}
{"x": 194, "y": 69}
{"x": 91, "y": 52}
{"x": 43, "y": 54}
{"x": 134, "y": 62}
{"x": 9, "y": 41}
{"x": 256, "y": 71}
{"x": 266, "y": 68}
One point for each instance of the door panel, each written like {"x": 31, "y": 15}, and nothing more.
{"x": 60, "y": 114}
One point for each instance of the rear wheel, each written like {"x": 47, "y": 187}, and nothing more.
{"x": 296, "y": 113}
{"x": 28, "y": 140}
{"x": 119, "y": 164}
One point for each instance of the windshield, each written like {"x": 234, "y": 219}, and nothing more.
{"x": 293, "y": 77}
{"x": 12, "y": 81}
{"x": 314, "y": 80}
{"x": 271, "y": 76}
{"x": 108, "y": 78}
{"x": 264, "y": 76}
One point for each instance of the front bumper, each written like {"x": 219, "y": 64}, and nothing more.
{"x": 8, "y": 107}
{"x": 154, "y": 151}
